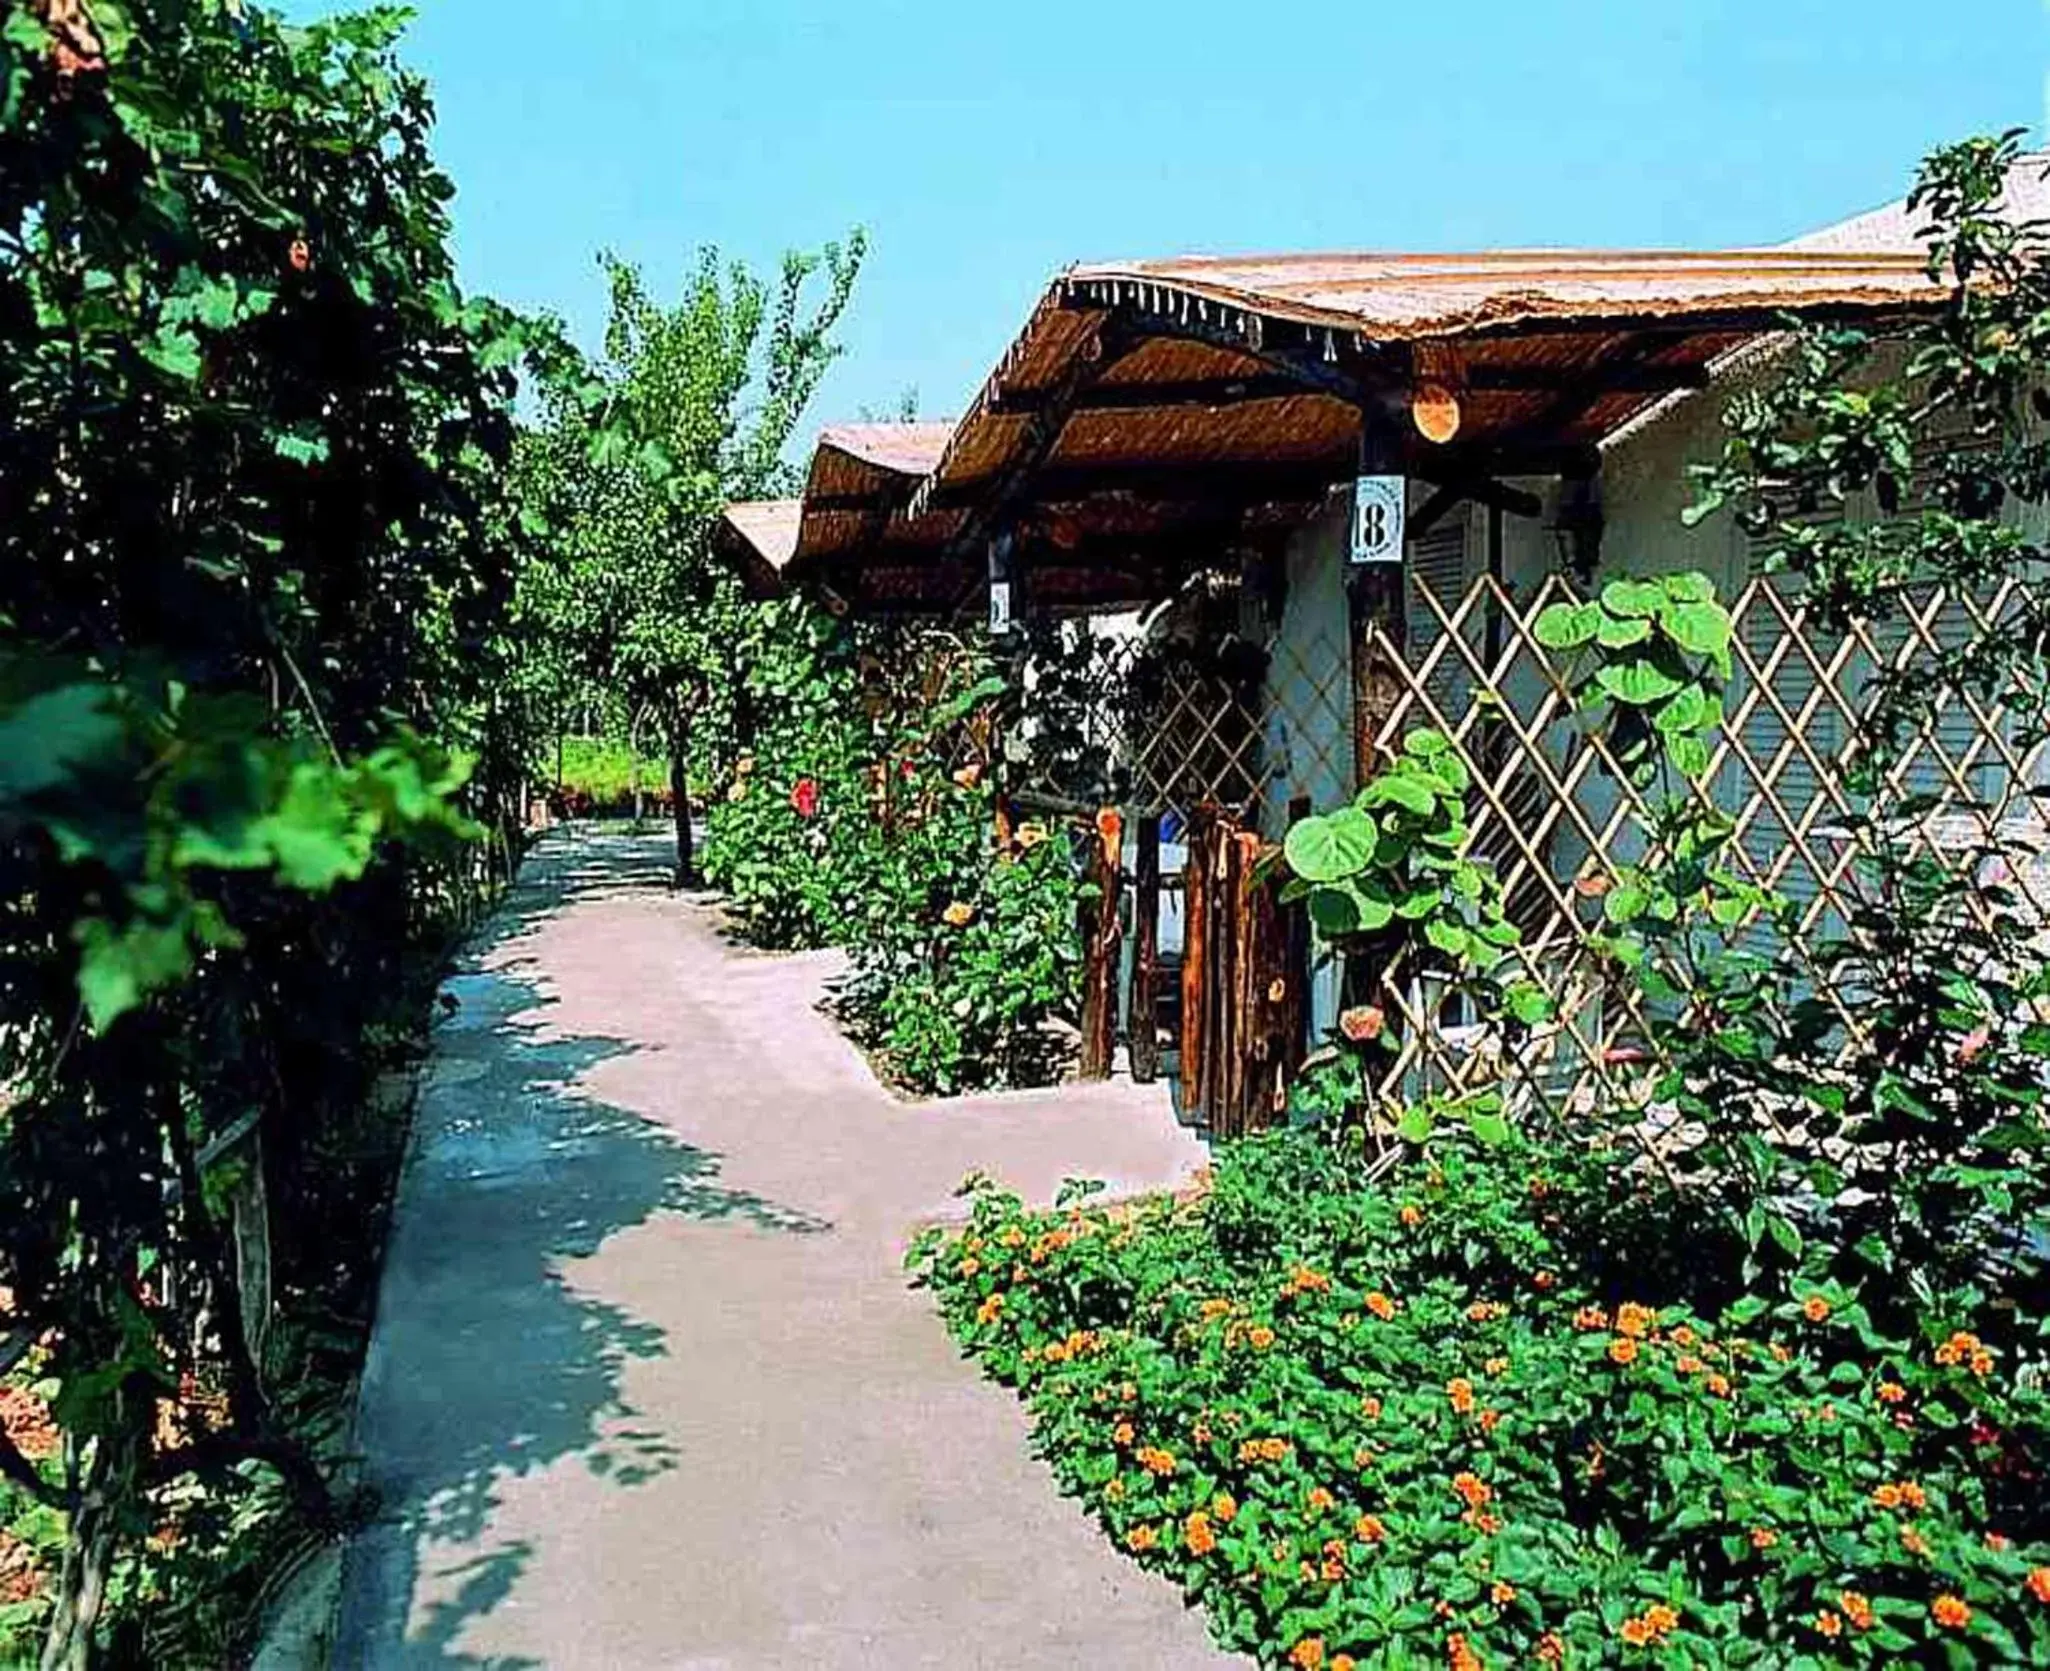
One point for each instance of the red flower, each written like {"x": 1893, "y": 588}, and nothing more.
{"x": 804, "y": 799}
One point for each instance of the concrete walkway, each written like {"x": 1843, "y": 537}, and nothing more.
{"x": 648, "y": 1388}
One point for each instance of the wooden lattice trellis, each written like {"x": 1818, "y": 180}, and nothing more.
{"x": 1560, "y": 818}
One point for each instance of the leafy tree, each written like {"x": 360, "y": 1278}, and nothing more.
{"x": 689, "y": 408}
{"x": 254, "y": 561}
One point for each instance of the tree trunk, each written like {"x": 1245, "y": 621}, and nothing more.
{"x": 71, "y": 1642}
{"x": 679, "y": 789}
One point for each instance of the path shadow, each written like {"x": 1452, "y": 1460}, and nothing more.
{"x": 487, "y": 1364}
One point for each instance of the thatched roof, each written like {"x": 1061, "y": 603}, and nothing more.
{"x": 1893, "y": 227}
{"x": 1154, "y": 411}
{"x": 759, "y": 537}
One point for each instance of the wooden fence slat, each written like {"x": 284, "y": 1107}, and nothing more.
{"x": 1144, "y": 1023}
{"x": 1195, "y": 1041}
{"x": 1104, "y": 937}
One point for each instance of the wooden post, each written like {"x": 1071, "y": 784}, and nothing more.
{"x": 1378, "y": 609}
{"x": 1195, "y": 1040}
{"x": 1144, "y": 1025}
{"x": 1104, "y": 938}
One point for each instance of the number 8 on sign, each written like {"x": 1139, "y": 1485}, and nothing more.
{"x": 1379, "y": 511}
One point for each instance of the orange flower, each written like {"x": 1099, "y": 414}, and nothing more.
{"x": 1551, "y": 1649}
{"x": 1828, "y": 1623}
{"x": 1689, "y": 1365}
{"x": 1485, "y": 1311}
{"x": 1857, "y": 1608}
{"x": 1140, "y": 1539}
{"x": 1913, "y": 1541}
{"x": 1363, "y": 1025}
{"x": 1636, "y": 1632}
{"x": 1459, "y": 1654}
{"x": 1115, "y": 1491}
{"x": 990, "y": 1310}
{"x": 1370, "y": 1528}
{"x": 959, "y": 914}
{"x": 1381, "y": 1305}
{"x": 1308, "y": 1654}
{"x": 1472, "y": 1490}
{"x": 1763, "y": 1537}
{"x": 1950, "y": 1612}
{"x": 1623, "y": 1349}
{"x": 1156, "y": 1461}
{"x": 1321, "y": 1500}
{"x": 1122, "y": 1434}
{"x": 1225, "y": 1507}
{"x": 1981, "y": 1364}
{"x": 1412, "y": 1217}
{"x": 1815, "y": 1308}
{"x": 1502, "y": 1594}
{"x": 1490, "y": 1420}
{"x": 1997, "y": 1543}
{"x": 1959, "y": 1348}
{"x": 2038, "y": 1585}
{"x": 1496, "y": 1367}
{"x": 1342, "y": 1662}
{"x": 1371, "y": 1409}
{"x": 1197, "y": 1534}
{"x": 1635, "y": 1321}
{"x": 1887, "y": 1496}
{"x": 1544, "y": 1282}
{"x": 1261, "y": 1337}
{"x": 1460, "y": 1391}
{"x": 1892, "y": 1392}
{"x": 1719, "y": 1385}
{"x": 1590, "y": 1318}
{"x": 1683, "y": 1336}
{"x": 1214, "y": 1309}
{"x": 1662, "y": 1619}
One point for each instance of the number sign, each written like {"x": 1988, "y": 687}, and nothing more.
{"x": 1380, "y": 513}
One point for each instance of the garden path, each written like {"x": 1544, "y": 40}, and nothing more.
{"x": 648, "y": 1388}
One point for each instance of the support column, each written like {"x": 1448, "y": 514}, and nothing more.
{"x": 1376, "y": 598}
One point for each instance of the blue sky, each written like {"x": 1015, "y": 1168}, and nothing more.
{"x": 986, "y": 145}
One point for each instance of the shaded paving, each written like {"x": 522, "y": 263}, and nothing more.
{"x": 647, "y": 1387}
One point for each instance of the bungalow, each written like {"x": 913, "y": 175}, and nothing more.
{"x": 1341, "y": 488}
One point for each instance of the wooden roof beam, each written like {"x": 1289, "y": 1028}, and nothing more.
{"x": 1209, "y": 392}
{"x": 1617, "y": 380}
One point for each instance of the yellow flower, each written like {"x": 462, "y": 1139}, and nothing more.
{"x": 959, "y": 915}
{"x": 1815, "y": 1308}
{"x": 1196, "y": 1533}
{"x": 1381, "y": 1305}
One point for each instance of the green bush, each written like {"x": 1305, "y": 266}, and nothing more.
{"x": 960, "y": 966}
{"x": 848, "y": 823}
{"x": 1482, "y": 1414}
{"x": 598, "y": 776}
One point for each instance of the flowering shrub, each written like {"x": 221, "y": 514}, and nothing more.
{"x": 858, "y": 818}
{"x": 956, "y": 975}
{"x": 1486, "y": 1415}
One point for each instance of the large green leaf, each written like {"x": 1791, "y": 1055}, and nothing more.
{"x": 1640, "y": 683}
{"x": 1567, "y": 626}
{"x": 1701, "y": 629}
{"x": 1331, "y": 847}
